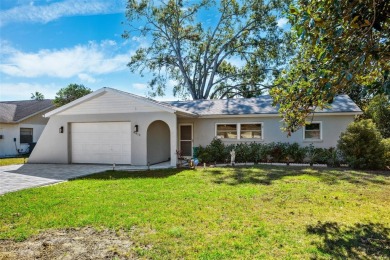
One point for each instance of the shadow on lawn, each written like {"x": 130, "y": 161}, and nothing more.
{"x": 265, "y": 175}
{"x": 114, "y": 175}
{"x": 361, "y": 241}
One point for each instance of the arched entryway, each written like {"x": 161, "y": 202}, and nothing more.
{"x": 158, "y": 142}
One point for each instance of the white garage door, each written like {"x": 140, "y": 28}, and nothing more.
{"x": 101, "y": 142}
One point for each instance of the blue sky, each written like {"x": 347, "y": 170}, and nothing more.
{"x": 47, "y": 44}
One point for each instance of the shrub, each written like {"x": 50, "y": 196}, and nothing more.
{"x": 278, "y": 151}
{"x": 386, "y": 144}
{"x": 216, "y": 149}
{"x": 361, "y": 145}
{"x": 332, "y": 157}
{"x": 255, "y": 149}
{"x": 203, "y": 155}
{"x": 295, "y": 152}
{"x": 311, "y": 154}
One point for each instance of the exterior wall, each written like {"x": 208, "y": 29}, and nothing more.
{"x": 332, "y": 127}
{"x": 158, "y": 142}
{"x": 110, "y": 103}
{"x": 54, "y": 147}
{"x": 11, "y": 131}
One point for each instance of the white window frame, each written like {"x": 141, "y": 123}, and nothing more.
{"x": 313, "y": 139}
{"x": 216, "y": 130}
{"x": 238, "y": 126}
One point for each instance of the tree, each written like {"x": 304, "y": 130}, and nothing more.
{"x": 70, "y": 93}
{"x": 344, "y": 47}
{"x": 379, "y": 111}
{"x": 238, "y": 53}
{"x": 37, "y": 96}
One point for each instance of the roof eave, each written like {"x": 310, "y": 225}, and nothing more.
{"x": 349, "y": 113}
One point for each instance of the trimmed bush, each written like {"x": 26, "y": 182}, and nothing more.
{"x": 295, "y": 153}
{"x": 216, "y": 150}
{"x": 361, "y": 145}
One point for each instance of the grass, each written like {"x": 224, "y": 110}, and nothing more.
{"x": 11, "y": 161}
{"x": 220, "y": 213}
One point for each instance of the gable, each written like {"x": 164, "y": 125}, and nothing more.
{"x": 110, "y": 103}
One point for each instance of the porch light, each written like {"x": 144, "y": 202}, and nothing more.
{"x": 61, "y": 130}
{"x": 136, "y": 129}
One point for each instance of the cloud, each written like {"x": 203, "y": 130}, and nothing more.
{"x": 282, "y": 22}
{"x": 140, "y": 41}
{"x": 85, "y": 60}
{"x": 23, "y": 90}
{"x": 29, "y": 12}
{"x": 140, "y": 86}
{"x": 86, "y": 78}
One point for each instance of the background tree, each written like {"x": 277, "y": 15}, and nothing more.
{"x": 70, "y": 93}
{"x": 238, "y": 52}
{"x": 37, "y": 96}
{"x": 344, "y": 47}
{"x": 379, "y": 111}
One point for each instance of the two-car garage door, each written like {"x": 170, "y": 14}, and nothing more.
{"x": 108, "y": 142}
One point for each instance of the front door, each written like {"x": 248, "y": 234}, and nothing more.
{"x": 186, "y": 140}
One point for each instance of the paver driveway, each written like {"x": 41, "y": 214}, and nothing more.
{"x": 22, "y": 176}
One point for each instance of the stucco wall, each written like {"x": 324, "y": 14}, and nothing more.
{"x": 158, "y": 139}
{"x": 53, "y": 147}
{"x": 332, "y": 126}
{"x": 11, "y": 131}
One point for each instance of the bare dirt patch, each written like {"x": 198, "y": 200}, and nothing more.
{"x": 73, "y": 243}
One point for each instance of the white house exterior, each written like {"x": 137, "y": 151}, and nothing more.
{"x": 111, "y": 126}
{"x": 21, "y": 124}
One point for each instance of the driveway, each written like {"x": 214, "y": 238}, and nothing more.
{"x": 23, "y": 176}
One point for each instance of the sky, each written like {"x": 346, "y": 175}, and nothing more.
{"x": 45, "y": 45}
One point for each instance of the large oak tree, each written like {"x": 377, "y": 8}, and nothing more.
{"x": 210, "y": 49}
{"x": 344, "y": 47}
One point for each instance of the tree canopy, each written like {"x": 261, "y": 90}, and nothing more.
{"x": 344, "y": 47}
{"x": 70, "y": 93}
{"x": 37, "y": 96}
{"x": 378, "y": 109}
{"x": 237, "y": 52}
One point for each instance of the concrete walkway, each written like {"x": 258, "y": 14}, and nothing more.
{"x": 23, "y": 176}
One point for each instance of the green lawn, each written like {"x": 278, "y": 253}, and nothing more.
{"x": 220, "y": 213}
{"x": 11, "y": 161}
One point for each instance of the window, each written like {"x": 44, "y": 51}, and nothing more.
{"x": 26, "y": 135}
{"x": 228, "y": 131}
{"x": 250, "y": 131}
{"x": 313, "y": 131}
{"x": 239, "y": 131}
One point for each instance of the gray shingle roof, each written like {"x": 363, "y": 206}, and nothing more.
{"x": 15, "y": 111}
{"x": 259, "y": 105}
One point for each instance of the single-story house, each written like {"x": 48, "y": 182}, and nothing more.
{"x": 21, "y": 125}
{"x": 112, "y": 126}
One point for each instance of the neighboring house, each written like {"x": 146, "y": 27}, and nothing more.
{"x": 112, "y": 126}
{"x": 21, "y": 124}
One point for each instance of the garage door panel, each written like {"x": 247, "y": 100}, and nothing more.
{"x": 126, "y": 148}
{"x": 101, "y": 142}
